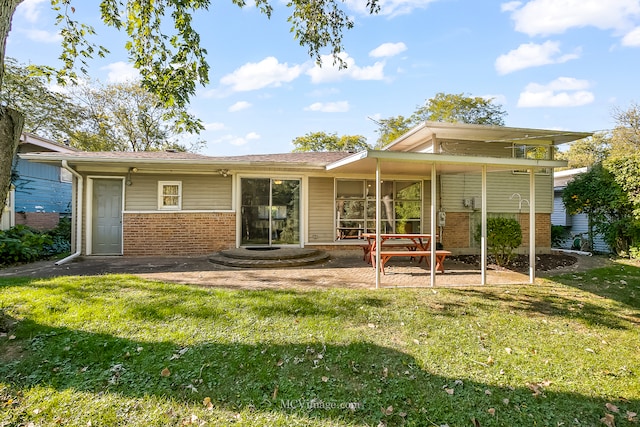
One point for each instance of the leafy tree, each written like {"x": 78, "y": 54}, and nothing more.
{"x": 459, "y": 108}
{"x": 392, "y": 128}
{"x": 50, "y": 114}
{"x": 587, "y": 152}
{"x": 443, "y": 107}
{"x": 171, "y": 64}
{"x": 321, "y": 141}
{"x": 126, "y": 117}
{"x": 597, "y": 194}
{"x": 624, "y": 157}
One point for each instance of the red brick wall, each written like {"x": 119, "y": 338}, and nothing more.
{"x": 456, "y": 231}
{"x": 543, "y": 230}
{"x": 165, "y": 234}
{"x": 38, "y": 220}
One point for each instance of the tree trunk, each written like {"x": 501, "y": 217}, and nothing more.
{"x": 11, "y": 121}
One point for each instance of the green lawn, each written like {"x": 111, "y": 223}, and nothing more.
{"x": 117, "y": 350}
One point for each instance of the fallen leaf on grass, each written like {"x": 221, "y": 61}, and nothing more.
{"x": 589, "y": 350}
{"x": 611, "y": 407}
{"x": 388, "y": 410}
{"x": 165, "y": 372}
{"x": 449, "y": 391}
{"x": 508, "y": 350}
{"x": 371, "y": 325}
{"x": 608, "y": 420}
{"x": 325, "y": 379}
{"x": 207, "y": 403}
{"x": 487, "y": 392}
{"x": 631, "y": 416}
{"x": 280, "y": 362}
{"x": 491, "y": 411}
{"x": 275, "y": 393}
{"x": 416, "y": 342}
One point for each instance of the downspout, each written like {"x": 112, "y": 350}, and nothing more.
{"x": 79, "y": 202}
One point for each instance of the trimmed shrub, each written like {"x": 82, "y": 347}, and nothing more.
{"x": 504, "y": 235}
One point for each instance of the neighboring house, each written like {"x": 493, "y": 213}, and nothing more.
{"x": 41, "y": 193}
{"x": 577, "y": 225}
{"x": 435, "y": 178}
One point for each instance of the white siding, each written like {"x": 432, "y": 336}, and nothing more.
{"x": 501, "y": 186}
{"x": 199, "y": 192}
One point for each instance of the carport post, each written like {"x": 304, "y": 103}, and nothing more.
{"x": 532, "y": 226}
{"x": 378, "y": 248}
{"x": 434, "y": 241}
{"x": 483, "y": 229}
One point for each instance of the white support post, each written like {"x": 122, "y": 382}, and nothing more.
{"x": 532, "y": 226}
{"x": 433, "y": 231}
{"x": 483, "y": 229}
{"x": 378, "y": 223}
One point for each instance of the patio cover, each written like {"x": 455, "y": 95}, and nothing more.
{"x": 429, "y": 164}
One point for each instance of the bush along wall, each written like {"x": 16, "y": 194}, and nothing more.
{"x": 21, "y": 244}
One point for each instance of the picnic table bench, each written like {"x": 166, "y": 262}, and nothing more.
{"x": 385, "y": 255}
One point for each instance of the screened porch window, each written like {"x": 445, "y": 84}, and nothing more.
{"x": 400, "y": 207}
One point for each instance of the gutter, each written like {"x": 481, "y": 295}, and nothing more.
{"x": 79, "y": 202}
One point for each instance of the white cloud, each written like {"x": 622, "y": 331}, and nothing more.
{"x": 390, "y": 8}
{"x": 239, "y": 106}
{"x": 329, "y": 107}
{"x": 510, "y": 6}
{"x": 329, "y": 72}
{"x": 532, "y": 55}
{"x": 543, "y": 17}
{"x": 30, "y": 9}
{"x": 238, "y": 140}
{"x": 632, "y": 38}
{"x": 386, "y": 50}
{"x": 266, "y": 73}
{"x": 121, "y": 72}
{"x": 498, "y": 99}
{"x": 213, "y": 126}
{"x": 42, "y": 36}
{"x": 561, "y": 92}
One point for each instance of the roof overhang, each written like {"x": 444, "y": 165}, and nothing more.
{"x": 403, "y": 163}
{"x": 425, "y": 133}
{"x": 196, "y": 165}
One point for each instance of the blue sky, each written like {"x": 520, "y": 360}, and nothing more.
{"x": 554, "y": 64}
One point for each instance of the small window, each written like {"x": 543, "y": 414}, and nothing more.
{"x": 170, "y": 195}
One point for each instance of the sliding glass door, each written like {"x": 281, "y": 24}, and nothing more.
{"x": 270, "y": 211}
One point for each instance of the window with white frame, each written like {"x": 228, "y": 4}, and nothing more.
{"x": 170, "y": 195}
{"x": 400, "y": 207}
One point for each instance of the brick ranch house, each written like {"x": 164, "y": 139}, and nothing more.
{"x": 439, "y": 177}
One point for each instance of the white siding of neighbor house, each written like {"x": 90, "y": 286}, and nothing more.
{"x": 500, "y": 187}
{"x": 199, "y": 192}
{"x": 321, "y": 210}
{"x": 576, "y": 225}
{"x": 559, "y": 216}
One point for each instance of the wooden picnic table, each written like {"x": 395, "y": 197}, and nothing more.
{"x": 417, "y": 246}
